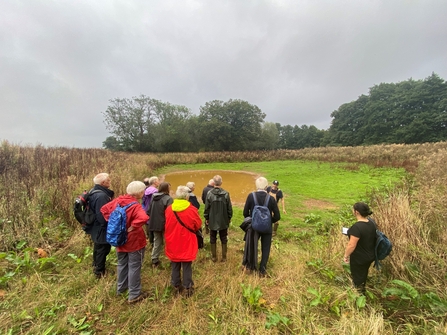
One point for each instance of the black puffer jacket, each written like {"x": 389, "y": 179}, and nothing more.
{"x": 156, "y": 211}
{"x": 99, "y": 228}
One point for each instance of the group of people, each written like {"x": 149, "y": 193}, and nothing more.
{"x": 155, "y": 216}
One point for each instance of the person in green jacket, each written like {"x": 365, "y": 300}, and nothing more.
{"x": 218, "y": 213}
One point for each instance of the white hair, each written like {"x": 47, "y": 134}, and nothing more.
{"x": 261, "y": 183}
{"x": 182, "y": 192}
{"x": 152, "y": 180}
{"x": 190, "y": 184}
{"x": 100, "y": 177}
{"x": 135, "y": 188}
{"x": 211, "y": 182}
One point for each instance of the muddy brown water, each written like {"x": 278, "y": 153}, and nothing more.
{"x": 238, "y": 184}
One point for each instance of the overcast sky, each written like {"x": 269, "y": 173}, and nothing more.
{"x": 298, "y": 61}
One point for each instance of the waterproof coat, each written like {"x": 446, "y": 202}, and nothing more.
{"x": 136, "y": 217}
{"x": 156, "y": 211}
{"x": 147, "y": 197}
{"x": 218, "y": 209}
{"x": 181, "y": 243}
{"x": 98, "y": 229}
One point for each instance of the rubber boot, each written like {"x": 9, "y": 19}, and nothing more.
{"x": 275, "y": 228}
{"x": 224, "y": 252}
{"x": 213, "y": 252}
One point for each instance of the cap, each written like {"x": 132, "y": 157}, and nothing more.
{"x": 275, "y": 182}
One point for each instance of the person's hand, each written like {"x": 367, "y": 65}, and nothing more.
{"x": 284, "y": 211}
{"x": 346, "y": 259}
{"x": 131, "y": 228}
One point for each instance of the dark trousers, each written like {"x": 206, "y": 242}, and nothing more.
{"x": 176, "y": 278}
{"x": 100, "y": 252}
{"x": 223, "y": 235}
{"x": 359, "y": 273}
{"x": 266, "y": 243}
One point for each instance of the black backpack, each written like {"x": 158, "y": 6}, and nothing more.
{"x": 82, "y": 211}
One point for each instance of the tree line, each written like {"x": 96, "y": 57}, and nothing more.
{"x": 411, "y": 111}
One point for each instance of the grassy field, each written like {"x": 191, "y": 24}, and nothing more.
{"x": 308, "y": 290}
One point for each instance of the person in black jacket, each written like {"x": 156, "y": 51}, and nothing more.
{"x": 156, "y": 211}
{"x": 98, "y": 230}
{"x": 205, "y": 191}
{"x": 266, "y": 238}
{"x": 192, "y": 197}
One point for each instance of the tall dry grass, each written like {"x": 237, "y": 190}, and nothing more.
{"x": 36, "y": 193}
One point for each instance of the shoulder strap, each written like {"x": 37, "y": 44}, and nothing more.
{"x": 266, "y": 202}
{"x": 180, "y": 221}
{"x": 128, "y": 205}
{"x": 374, "y": 223}
{"x": 255, "y": 199}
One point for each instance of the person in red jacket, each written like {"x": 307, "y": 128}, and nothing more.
{"x": 182, "y": 221}
{"x": 130, "y": 255}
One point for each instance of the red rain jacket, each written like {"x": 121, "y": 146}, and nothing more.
{"x": 181, "y": 244}
{"x": 136, "y": 217}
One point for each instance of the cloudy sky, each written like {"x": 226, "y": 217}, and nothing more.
{"x": 62, "y": 61}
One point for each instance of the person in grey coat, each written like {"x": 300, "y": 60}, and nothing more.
{"x": 218, "y": 213}
{"x": 160, "y": 201}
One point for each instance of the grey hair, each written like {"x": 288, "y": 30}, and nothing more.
{"x": 191, "y": 185}
{"x": 100, "y": 177}
{"x": 135, "y": 188}
{"x": 182, "y": 192}
{"x": 217, "y": 180}
{"x": 261, "y": 183}
{"x": 152, "y": 180}
{"x": 211, "y": 182}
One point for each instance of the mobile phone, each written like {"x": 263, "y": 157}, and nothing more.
{"x": 344, "y": 230}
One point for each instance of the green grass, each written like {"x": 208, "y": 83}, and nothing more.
{"x": 338, "y": 184}
{"x": 306, "y": 293}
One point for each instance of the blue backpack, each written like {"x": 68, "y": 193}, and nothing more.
{"x": 261, "y": 217}
{"x": 117, "y": 226}
{"x": 383, "y": 247}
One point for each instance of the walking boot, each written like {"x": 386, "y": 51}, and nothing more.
{"x": 213, "y": 252}
{"x": 224, "y": 252}
{"x": 275, "y": 228}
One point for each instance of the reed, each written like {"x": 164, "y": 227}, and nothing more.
{"x": 309, "y": 294}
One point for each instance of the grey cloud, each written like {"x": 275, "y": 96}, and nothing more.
{"x": 61, "y": 62}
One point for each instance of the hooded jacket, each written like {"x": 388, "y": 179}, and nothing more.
{"x": 147, "y": 197}
{"x": 136, "y": 217}
{"x": 98, "y": 229}
{"x": 156, "y": 211}
{"x": 218, "y": 209}
{"x": 181, "y": 243}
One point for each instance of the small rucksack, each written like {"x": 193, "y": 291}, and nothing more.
{"x": 261, "y": 216}
{"x": 82, "y": 211}
{"x": 117, "y": 225}
{"x": 383, "y": 247}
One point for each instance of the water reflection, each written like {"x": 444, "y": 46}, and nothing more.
{"x": 238, "y": 184}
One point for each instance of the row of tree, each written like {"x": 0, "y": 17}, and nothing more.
{"x": 413, "y": 111}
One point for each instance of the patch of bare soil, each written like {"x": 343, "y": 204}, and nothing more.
{"x": 320, "y": 204}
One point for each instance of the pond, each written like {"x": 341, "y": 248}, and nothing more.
{"x": 239, "y": 184}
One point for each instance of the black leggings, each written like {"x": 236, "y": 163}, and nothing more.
{"x": 359, "y": 273}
